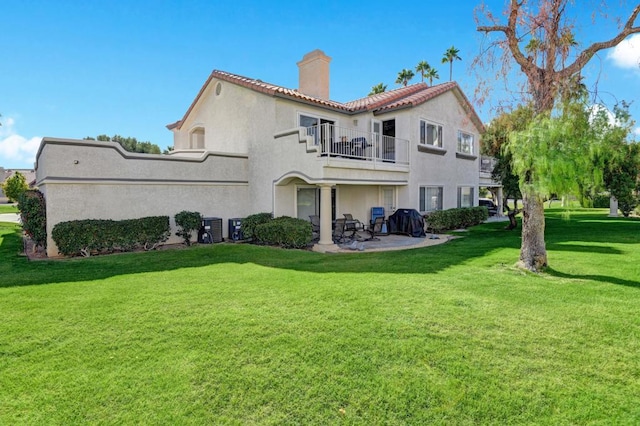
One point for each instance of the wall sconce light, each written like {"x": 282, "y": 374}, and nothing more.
{"x": 75, "y": 161}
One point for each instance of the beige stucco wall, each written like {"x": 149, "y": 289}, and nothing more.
{"x": 448, "y": 171}
{"x": 99, "y": 180}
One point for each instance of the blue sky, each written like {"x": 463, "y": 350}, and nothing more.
{"x": 72, "y": 69}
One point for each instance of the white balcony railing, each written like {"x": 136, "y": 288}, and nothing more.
{"x": 340, "y": 142}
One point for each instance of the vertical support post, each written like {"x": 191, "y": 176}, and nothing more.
{"x": 325, "y": 216}
{"x": 325, "y": 243}
{"x": 613, "y": 207}
{"x": 500, "y": 202}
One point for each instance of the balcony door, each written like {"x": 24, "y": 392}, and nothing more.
{"x": 321, "y": 129}
{"x": 384, "y": 133}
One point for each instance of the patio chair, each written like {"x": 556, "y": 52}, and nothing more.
{"x": 375, "y": 229}
{"x": 315, "y": 225}
{"x": 353, "y": 223}
{"x": 341, "y": 233}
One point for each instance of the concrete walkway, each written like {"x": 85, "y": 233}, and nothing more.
{"x": 10, "y": 217}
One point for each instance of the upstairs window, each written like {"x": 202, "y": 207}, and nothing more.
{"x": 430, "y": 134}
{"x": 465, "y": 143}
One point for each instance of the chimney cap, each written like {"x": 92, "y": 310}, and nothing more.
{"x": 314, "y": 54}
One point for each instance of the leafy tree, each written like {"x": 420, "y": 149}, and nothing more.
{"x": 129, "y": 144}
{"x": 495, "y": 138}
{"x": 15, "y": 186}
{"x": 539, "y": 37}
{"x": 378, "y": 88}
{"x": 404, "y": 77}
{"x": 450, "y": 55}
{"x": 622, "y": 171}
{"x": 621, "y": 178}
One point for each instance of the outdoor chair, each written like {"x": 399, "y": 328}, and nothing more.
{"x": 375, "y": 229}
{"x": 341, "y": 233}
{"x": 353, "y": 223}
{"x": 315, "y": 225}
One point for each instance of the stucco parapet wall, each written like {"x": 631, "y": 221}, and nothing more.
{"x": 80, "y": 160}
{"x": 301, "y": 134}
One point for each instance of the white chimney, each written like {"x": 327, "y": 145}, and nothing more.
{"x": 313, "y": 74}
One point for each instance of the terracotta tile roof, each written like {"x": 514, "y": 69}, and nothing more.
{"x": 404, "y": 97}
{"x": 418, "y": 97}
{"x": 376, "y": 101}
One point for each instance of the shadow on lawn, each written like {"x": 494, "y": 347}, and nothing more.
{"x": 18, "y": 271}
{"x": 478, "y": 242}
{"x": 599, "y": 278}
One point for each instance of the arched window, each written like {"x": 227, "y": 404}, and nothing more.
{"x": 196, "y": 139}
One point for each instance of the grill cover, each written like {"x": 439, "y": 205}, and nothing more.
{"x": 407, "y": 221}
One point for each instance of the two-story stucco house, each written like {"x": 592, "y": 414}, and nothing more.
{"x": 245, "y": 146}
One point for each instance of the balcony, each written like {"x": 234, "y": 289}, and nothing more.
{"x": 487, "y": 165}
{"x": 376, "y": 150}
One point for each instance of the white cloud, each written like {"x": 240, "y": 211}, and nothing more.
{"x": 16, "y": 151}
{"x": 627, "y": 53}
{"x": 636, "y": 131}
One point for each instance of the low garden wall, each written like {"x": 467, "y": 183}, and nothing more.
{"x": 99, "y": 180}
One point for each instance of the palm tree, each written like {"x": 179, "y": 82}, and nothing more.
{"x": 431, "y": 74}
{"x": 423, "y": 68}
{"x": 404, "y": 76}
{"x": 378, "y": 88}
{"x": 449, "y": 56}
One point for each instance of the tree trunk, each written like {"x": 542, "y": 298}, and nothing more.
{"x": 533, "y": 253}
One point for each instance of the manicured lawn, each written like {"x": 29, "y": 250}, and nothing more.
{"x": 8, "y": 208}
{"x": 237, "y": 334}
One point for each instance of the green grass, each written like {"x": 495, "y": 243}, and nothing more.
{"x": 238, "y": 334}
{"x": 8, "y": 208}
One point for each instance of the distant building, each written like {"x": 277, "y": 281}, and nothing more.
{"x": 29, "y": 175}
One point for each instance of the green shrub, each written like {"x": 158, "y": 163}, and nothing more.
{"x": 464, "y": 217}
{"x": 33, "y": 215}
{"x": 187, "y": 222}
{"x": 287, "y": 232}
{"x": 601, "y": 201}
{"x": 250, "y": 223}
{"x": 84, "y": 237}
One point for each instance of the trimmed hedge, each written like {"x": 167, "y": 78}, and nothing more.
{"x": 250, "y": 223}
{"x": 187, "y": 222}
{"x": 287, "y": 232}
{"x": 84, "y": 237}
{"x": 443, "y": 220}
{"x": 33, "y": 215}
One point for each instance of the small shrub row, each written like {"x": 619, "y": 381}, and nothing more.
{"x": 84, "y": 237}
{"x": 443, "y": 220}
{"x": 250, "y": 223}
{"x": 286, "y": 232}
{"x": 33, "y": 215}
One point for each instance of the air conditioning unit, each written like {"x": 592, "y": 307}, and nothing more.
{"x": 211, "y": 230}
{"x": 235, "y": 229}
